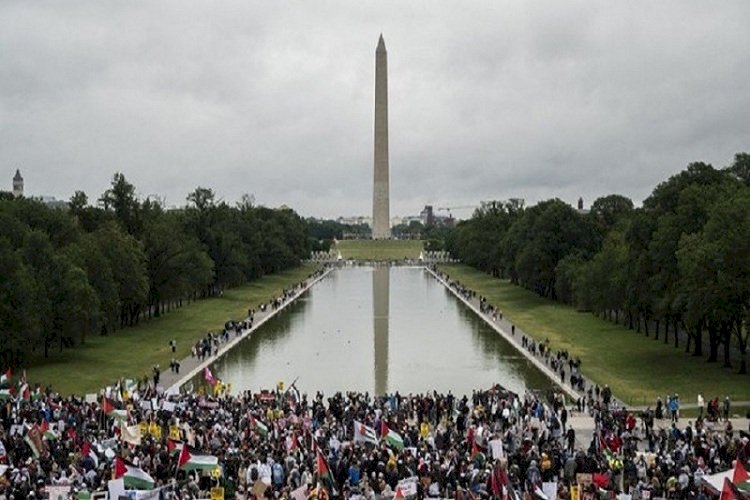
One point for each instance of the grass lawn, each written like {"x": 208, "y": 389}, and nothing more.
{"x": 379, "y": 249}
{"x": 638, "y": 369}
{"x": 132, "y": 352}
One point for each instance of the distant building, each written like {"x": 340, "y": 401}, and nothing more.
{"x": 17, "y": 184}
{"x": 427, "y": 216}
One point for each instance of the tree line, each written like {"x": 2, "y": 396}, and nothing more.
{"x": 92, "y": 269}
{"x": 678, "y": 265}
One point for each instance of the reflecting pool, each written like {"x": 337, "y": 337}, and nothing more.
{"x": 381, "y": 329}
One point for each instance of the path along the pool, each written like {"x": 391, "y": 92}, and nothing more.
{"x": 192, "y": 365}
{"x": 503, "y": 327}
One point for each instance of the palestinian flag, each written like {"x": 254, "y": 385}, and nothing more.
{"x": 324, "y": 472}
{"x": 391, "y": 437}
{"x": 37, "y": 394}
{"x": 24, "y": 392}
{"x": 47, "y": 433}
{"x": 7, "y": 393}
{"x": 174, "y": 446}
{"x": 364, "y": 434}
{"x": 191, "y": 461}
{"x": 133, "y": 477}
{"x": 87, "y": 451}
{"x": 112, "y": 411}
{"x": 741, "y": 477}
{"x": 5, "y": 378}
{"x": 732, "y": 492}
{"x": 107, "y": 406}
{"x": 259, "y": 426}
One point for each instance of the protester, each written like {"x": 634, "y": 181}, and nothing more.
{"x": 487, "y": 444}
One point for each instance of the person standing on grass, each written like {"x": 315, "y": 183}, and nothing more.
{"x": 700, "y": 405}
{"x": 726, "y": 408}
{"x": 173, "y": 345}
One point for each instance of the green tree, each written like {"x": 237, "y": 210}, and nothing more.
{"x": 121, "y": 199}
{"x": 128, "y": 264}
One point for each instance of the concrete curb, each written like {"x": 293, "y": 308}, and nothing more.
{"x": 245, "y": 334}
{"x": 510, "y": 339}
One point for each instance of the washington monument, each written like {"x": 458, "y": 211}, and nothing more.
{"x": 381, "y": 225}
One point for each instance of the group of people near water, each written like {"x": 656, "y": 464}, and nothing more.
{"x": 490, "y": 444}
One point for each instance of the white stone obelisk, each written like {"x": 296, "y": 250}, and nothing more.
{"x": 381, "y": 218}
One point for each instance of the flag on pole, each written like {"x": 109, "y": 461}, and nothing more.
{"x": 87, "y": 451}
{"x": 24, "y": 392}
{"x": 174, "y": 446}
{"x": 391, "y": 437}
{"x": 133, "y": 477}
{"x": 209, "y": 377}
{"x": 364, "y": 434}
{"x": 190, "y": 461}
{"x": 107, "y": 406}
{"x": 259, "y": 426}
{"x": 47, "y": 432}
{"x": 324, "y": 472}
{"x": 5, "y": 378}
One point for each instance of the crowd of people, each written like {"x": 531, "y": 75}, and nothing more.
{"x": 282, "y": 444}
{"x": 492, "y": 443}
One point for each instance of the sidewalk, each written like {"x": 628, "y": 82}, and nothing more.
{"x": 503, "y": 327}
{"x": 192, "y": 366}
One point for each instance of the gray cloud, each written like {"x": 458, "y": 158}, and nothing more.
{"x": 488, "y": 100}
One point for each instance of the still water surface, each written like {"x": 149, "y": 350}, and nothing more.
{"x": 381, "y": 329}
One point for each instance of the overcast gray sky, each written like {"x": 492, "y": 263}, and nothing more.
{"x": 488, "y": 100}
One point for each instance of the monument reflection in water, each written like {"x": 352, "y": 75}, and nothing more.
{"x": 381, "y": 287}
{"x": 377, "y": 329}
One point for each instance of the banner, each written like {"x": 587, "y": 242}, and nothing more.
{"x": 408, "y": 486}
{"x": 130, "y": 434}
{"x": 550, "y": 490}
{"x": 496, "y": 445}
{"x": 58, "y": 492}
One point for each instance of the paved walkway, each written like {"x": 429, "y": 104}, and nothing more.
{"x": 504, "y": 327}
{"x": 192, "y": 366}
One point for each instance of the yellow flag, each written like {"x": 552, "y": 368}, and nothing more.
{"x": 174, "y": 433}
{"x": 217, "y": 493}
